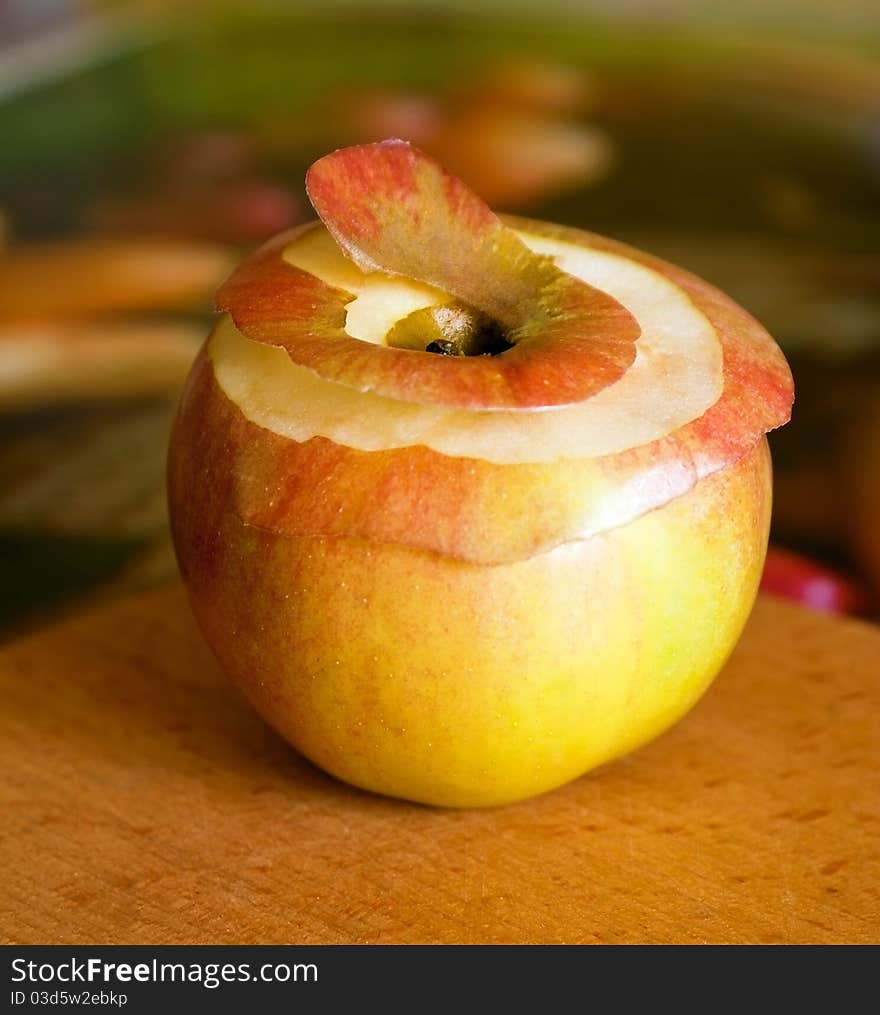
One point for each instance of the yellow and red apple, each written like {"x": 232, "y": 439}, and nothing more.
{"x": 465, "y": 506}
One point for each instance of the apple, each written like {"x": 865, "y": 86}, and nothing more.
{"x": 467, "y": 575}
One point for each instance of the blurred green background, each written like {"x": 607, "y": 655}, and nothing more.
{"x": 742, "y": 141}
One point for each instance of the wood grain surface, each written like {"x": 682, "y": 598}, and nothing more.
{"x": 143, "y": 802}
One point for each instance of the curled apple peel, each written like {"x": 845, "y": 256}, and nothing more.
{"x": 393, "y": 210}
{"x": 594, "y": 498}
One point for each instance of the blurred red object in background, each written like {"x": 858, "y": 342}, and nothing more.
{"x": 241, "y": 212}
{"x": 794, "y": 576}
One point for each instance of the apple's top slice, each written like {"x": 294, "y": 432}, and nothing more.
{"x": 393, "y": 210}
{"x": 305, "y": 456}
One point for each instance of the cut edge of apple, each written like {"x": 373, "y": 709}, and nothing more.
{"x": 467, "y": 506}
{"x": 697, "y": 349}
{"x": 677, "y": 375}
{"x": 468, "y": 509}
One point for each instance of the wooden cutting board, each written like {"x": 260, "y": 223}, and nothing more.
{"x": 143, "y": 802}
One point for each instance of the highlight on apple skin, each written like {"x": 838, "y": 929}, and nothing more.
{"x": 468, "y": 506}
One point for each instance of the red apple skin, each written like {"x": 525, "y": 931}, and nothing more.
{"x": 417, "y": 675}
